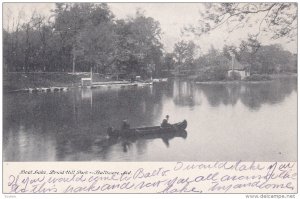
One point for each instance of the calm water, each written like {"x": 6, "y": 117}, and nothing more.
{"x": 225, "y": 123}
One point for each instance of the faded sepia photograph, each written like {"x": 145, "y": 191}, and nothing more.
{"x": 149, "y": 82}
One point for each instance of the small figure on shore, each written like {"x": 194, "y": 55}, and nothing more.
{"x": 165, "y": 122}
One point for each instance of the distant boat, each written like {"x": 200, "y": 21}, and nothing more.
{"x": 143, "y": 131}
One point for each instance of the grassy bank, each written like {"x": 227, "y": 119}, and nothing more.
{"x": 17, "y": 81}
{"x": 251, "y": 78}
{"x": 258, "y": 77}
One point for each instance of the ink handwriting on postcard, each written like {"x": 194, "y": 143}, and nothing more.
{"x": 179, "y": 177}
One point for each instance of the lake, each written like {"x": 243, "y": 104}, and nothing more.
{"x": 226, "y": 122}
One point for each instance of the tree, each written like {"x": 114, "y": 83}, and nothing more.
{"x": 169, "y": 61}
{"x": 212, "y": 66}
{"x": 184, "y": 53}
{"x": 139, "y": 50}
{"x": 74, "y": 23}
{"x": 245, "y": 53}
{"x": 272, "y": 59}
{"x": 261, "y": 59}
{"x": 88, "y": 35}
{"x": 277, "y": 19}
{"x": 98, "y": 44}
{"x": 96, "y": 39}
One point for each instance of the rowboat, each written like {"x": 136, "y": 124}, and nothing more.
{"x": 171, "y": 129}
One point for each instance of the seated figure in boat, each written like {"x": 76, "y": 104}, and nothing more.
{"x": 125, "y": 125}
{"x": 165, "y": 122}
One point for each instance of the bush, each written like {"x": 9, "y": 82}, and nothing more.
{"x": 234, "y": 76}
{"x": 202, "y": 78}
{"x": 215, "y": 73}
{"x": 258, "y": 77}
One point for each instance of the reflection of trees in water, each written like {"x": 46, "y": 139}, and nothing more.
{"x": 72, "y": 122}
{"x": 270, "y": 92}
{"x": 221, "y": 94}
{"x": 138, "y": 105}
{"x": 36, "y": 109}
{"x": 141, "y": 146}
{"x": 17, "y": 146}
{"x": 163, "y": 89}
{"x": 184, "y": 93}
{"x": 67, "y": 123}
{"x": 42, "y": 119}
{"x": 143, "y": 105}
{"x": 253, "y": 95}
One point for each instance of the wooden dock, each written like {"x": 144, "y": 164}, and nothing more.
{"x": 46, "y": 89}
{"x": 119, "y": 84}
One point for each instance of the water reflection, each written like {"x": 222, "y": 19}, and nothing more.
{"x": 252, "y": 95}
{"x": 184, "y": 94}
{"x": 105, "y": 145}
{"x": 71, "y": 126}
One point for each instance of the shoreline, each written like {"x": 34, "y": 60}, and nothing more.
{"x": 272, "y": 76}
{"x": 24, "y": 82}
{"x": 107, "y": 84}
{"x": 234, "y": 82}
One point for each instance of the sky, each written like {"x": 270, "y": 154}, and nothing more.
{"x": 171, "y": 16}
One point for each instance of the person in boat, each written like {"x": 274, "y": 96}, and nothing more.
{"x": 165, "y": 122}
{"x": 125, "y": 125}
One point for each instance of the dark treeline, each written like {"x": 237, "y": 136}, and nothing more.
{"x": 250, "y": 54}
{"x": 84, "y": 35}
{"x": 81, "y": 36}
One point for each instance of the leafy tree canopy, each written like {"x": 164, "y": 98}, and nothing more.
{"x": 276, "y": 19}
